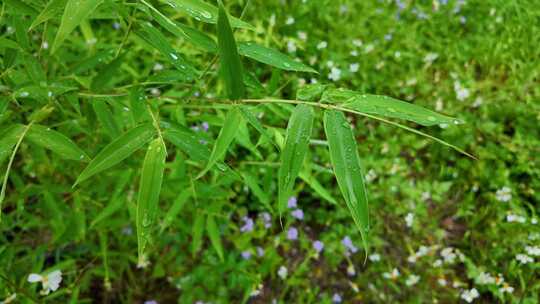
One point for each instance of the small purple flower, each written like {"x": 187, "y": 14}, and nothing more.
{"x": 347, "y": 242}
{"x": 151, "y": 302}
{"x": 291, "y": 203}
{"x": 267, "y": 219}
{"x": 248, "y": 224}
{"x": 260, "y": 251}
{"x": 205, "y": 126}
{"x": 292, "y": 234}
{"x": 246, "y": 255}
{"x": 318, "y": 246}
{"x": 336, "y": 298}
{"x": 298, "y": 214}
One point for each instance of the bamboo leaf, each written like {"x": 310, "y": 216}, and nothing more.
{"x": 319, "y": 189}
{"x": 51, "y": 10}
{"x": 106, "y": 118}
{"x": 156, "y": 39}
{"x": 8, "y": 139}
{"x": 197, "y": 233}
{"x": 253, "y": 185}
{"x": 75, "y": 12}
{"x": 118, "y": 150}
{"x": 230, "y": 64}
{"x": 176, "y": 207}
{"x": 272, "y": 57}
{"x": 194, "y": 36}
{"x": 214, "y": 236}
{"x": 149, "y": 189}
{"x": 387, "y": 107}
{"x": 346, "y": 164}
{"x": 225, "y": 138}
{"x": 205, "y": 12}
{"x": 56, "y": 142}
{"x": 294, "y": 151}
{"x": 252, "y": 120}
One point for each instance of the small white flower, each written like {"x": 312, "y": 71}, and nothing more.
{"x": 45, "y": 45}
{"x": 437, "y": 263}
{"x": 524, "y": 259}
{"x": 350, "y": 270}
{"x": 515, "y": 218}
{"x": 448, "y": 255}
{"x": 391, "y": 275}
{"x": 397, "y": 54}
{"x": 506, "y": 288}
{"x": 291, "y": 46}
{"x": 353, "y": 67}
{"x": 354, "y": 53}
{"x": 534, "y": 221}
{"x": 426, "y": 195}
{"x": 374, "y": 257}
{"x": 461, "y": 92}
{"x": 335, "y": 74}
{"x": 371, "y": 175}
{"x": 157, "y": 67}
{"x": 290, "y": 20}
{"x": 485, "y": 278}
{"x": 470, "y": 295}
{"x": 155, "y": 91}
{"x": 357, "y": 42}
{"x": 49, "y": 282}
{"x": 412, "y": 280}
{"x": 329, "y": 63}
{"x": 430, "y": 57}
{"x": 322, "y": 45}
{"x": 282, "y": 272}
{"x": 478, "y": 102}
{"x": 504, "y": 194}
{"x": 409, "y": 219}
{"x": 441, "y": 281}
{"x": 534, "y": 251}
{"x": 302, "y": 35}
{"x": 412, "y": 258}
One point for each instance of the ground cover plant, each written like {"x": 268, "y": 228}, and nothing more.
{"x": 306, "y": 151}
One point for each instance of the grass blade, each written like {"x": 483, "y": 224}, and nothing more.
{"x": 149, "y": 189}
{"x": 214, "y": 236}
{"x": 252, "y": 120}
{"x": 53, "y": 8}
{"x": 74, "y": 13}
{"x": 118, "y": 150}
{"x": 294, "y": 151}
{"x": 176, "y": 207}
{"x": 272, "y": 57}
{"x": 56, "y": 142}
{"x": 230, "y": 64}
{"x": 225, "y": 138}
{"x": 8, "y": 139}
{"x": 197, "y": 233}
{"x": 346, "y": 163}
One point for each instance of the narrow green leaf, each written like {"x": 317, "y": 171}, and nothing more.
{"x": 294, "y": 151}
{"x": 75, "y": 12}
{"x": 252, "y": 120}
{"x": 387, "y": 107}
{"x": 194, "y": 36}
{"x": 57, "y": 142}
{"x": 176, "y": 207}
{"x": 197, "y": 233}
{"x": 204, "y": 12}
{"x": 225, "y": 138}
{"x": 137, "y": 104}
{"x": 346, "y": 164}
{"x": 51, "y": 10}
{"x": 118, "y": 150}
{"x": 8, "y": 139}
{"x": 253, "y": 185}
{"x": 311, "y": 92}
{"x": 149, "y": 189}
{"x": 271, "y": 57}
{"x": 106, "y": 118}
{"x": 117, "y": 198}
{"x": 230, "y": 64}
{"x": 319, "y": 189}
{"x": 156, "y": 39}
{"x": 214, "y": 236}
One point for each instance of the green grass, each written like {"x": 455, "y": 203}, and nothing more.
{"x": 435, "y": 214}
